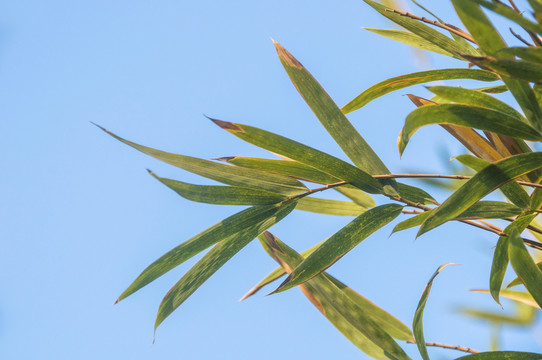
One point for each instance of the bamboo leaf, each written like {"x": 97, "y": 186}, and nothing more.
{"x": 222, "y": 173}
{"x": 304, "y": 154}
{"x": 502, "y": 355}
{"x": 525, "y": 267}
{"x": 481, "y": 184}
{"x": 519, "y": 296}
{"x": 331, "y": 117}
{"x": 511, "y": 14}
{"x": 401, "y": 82}
{"x": 465, "y": 115}
{"x": 517, "y": 280}
{"x": 415, "y": 194}
{"x": 214, "y": 260}
{"x": 532, "y": 54}
{"x": 357, "y": 196}
{"x": 226, "y": 228}
{"x": 330, "y": 207}
{"x": 340, "y": 243}
{"x": 221, "y": 195}
{"x": 517, "y": 69}
{"x": 411, "y": 39}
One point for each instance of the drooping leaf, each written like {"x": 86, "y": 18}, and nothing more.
{"x": 193, "y": 246}
{"x": 519, "y": 296}
{"x": 465, "y": 115}
{"x": 331, "y": 117}
{"x": 502, "y": 355}
{"x": 481, "y": 184}
{"x": 525, "y": 267}
{"x": 225, "y": 174}
{"x": 213, "y": 260}
{"x": 517, "y": 281}
{"x": 401, "y": 82}
{"x": 340, "y": 243}
{"x": 330, "y": 207}
{"x": 417, "y": 324}
{"x": 362, "y": 322}
{"x": 304, "y": 154}
{"x": 221, "y": 195}
{"x": 414, "y": 194}
{"x": 511, "y": 14}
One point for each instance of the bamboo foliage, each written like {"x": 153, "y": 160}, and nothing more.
{"x": 497, "y": 134}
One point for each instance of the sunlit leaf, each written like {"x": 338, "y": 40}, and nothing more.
{"x": 417, "y": 324}
{"x": 525, "y": 267}
{"x": 511, "y": 14}
{"x": 401, "y": 82}
{"x": 517, "y": 69}
{"x": 340, "y": 243}
{"x": 214, "y": 260}
{"x": 519, "y": 296}
{"x": 502, "y": 355}
{"x": 517, "y": 281}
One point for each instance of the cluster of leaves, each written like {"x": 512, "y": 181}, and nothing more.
{"x": 494, "y": 132}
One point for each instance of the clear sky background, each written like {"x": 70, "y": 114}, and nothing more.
{"x": 81, "y": 217}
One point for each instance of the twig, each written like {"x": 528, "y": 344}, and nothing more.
{"x": 448, "y": 27}
{"x": 452, "y": 347}
{"x": 533, "y": 36}
{"x": 439, "y": 176}
{"x": 520, "y": 38}
{"x": 312, "y": 191}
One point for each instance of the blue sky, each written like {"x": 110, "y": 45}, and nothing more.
{"x": 81, "y": 216}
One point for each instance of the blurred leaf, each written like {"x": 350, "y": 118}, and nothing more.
{"x": 304, "y": 154}
{"x": 533, "y": 54}
{"x": 500, "y": 257}
{"x": 525, "y": 267}
{"x": 474, "y": 97}
{"x": 465, "y": 115}
{"x": 517, "y": 69}
{"x": 226, "y": 228}
{"x": 511, "y": 14}
{"x": 357, "y": 196}
{"x": 340, "y": 243}
{"x": 519, "y": 296}
{"x": 401, "y": 82}
{"x": 481, "y": 184}
{"x": 411, "y": 39}
{"x": 214, "y": 260}
{"x": 517, "y": 281}
{"x": 330, "y": 207}
{"x": 502, "y": 355}
{"x": 331, "y": 117}
{"x": 417, "y": 324}
{"x": 230, "y": 175}
{"x": 221, "y": 195}
{"x": 362, "y": 325}
{"x": 512, "y": 190}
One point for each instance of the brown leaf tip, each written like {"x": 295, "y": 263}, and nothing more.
{"x": 226, "y": 125}
{"x": 285, "y": 56}
{"x": 225, "y": 158}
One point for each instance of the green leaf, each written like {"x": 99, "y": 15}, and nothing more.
{"x": 357, "y": 196}
{"x": 500, "y": 257}
{"x": 222, "y": 173}
{"x": 465, "y": 115}
{"x": 525, "y": 267}
{"x": 512, "y": 190}
{"x": 474, "y": 97}
{"x": 532, "y": 54}
{"x": 221, "y": 195}
{"x": 503, "y": 355}
{"x": 517, "y": 281}
{"x": 304, "y": 154}
{"x": 362, "y": 322}
{"x": 340, "y": 243}
{"x": 331, "y": 117}
{"x": 401, "y": 82}
{"x": 519, "y": 296}
{"x": 481, "y": 184}
{"x": 417, "y": 324}
{"x": 511, "y": 14}
{"x": 330, "y": 207}
{"x": 413, "y": 40}
{"x": 411, "y": 222}
{"x": 228, "y": 227}
{"x": 214, "y": 260}
{"x": 415, "y": 194}
{"x": 493, "y": 89}
{"x": 517, "y": 69}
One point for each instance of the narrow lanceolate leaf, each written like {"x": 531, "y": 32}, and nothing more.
{"x": 517, "y": 69}
{"x": 221, "y": 195}
{"x": 474, "y": 97}
{"x": 331, "y": 117}
{"x": 502, "y": 355}
{"x": 401, "y": 82}
{"x": 330, "y": 207}
{"x": 304, "y": 154}
{"x": 511, "y": 14}
{"x": 193, "y": 246}
{"x": 465, "y": 115}
{"x": 512, "y": 190}
{"x": 340, "y": 243}
{"x": 500, "y": 257}
{"x": 525, "y": 267}
{"x": 519, "y": 296}
{"x": 225, "y": 174}
{"x": 417, "y": 324}
{"x": 517, "y": 281}
{"x": 362, "y": 322}
{"x": 532, "y": 54}
{"x": 424, "y": 31}
{"x": 213, "y": 260}
{"x": 415, "y": 194}
{"x": 481, "y": 184}
{"x": 411, "y": 39}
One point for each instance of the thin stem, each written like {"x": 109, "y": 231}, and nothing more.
{"x": 448, "y": 27}
{"x": 533, "y": 36}
{"x": 452, "y": 347}
{"x": 312, "y": 191}
{"x": 439, "y": 176}
{"x": 520, "y": 38}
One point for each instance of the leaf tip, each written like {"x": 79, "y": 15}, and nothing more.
{"x": 285, "y": 56}
{"x": 225, "y": 158}
{"x": 226, "y": 125}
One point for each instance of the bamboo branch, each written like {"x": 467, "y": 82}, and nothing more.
{"x": 439, "y": 176}
{"x": 520, "y": 38}
{"x": 448, "y": 27}
{"x": 452, "y": 347}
